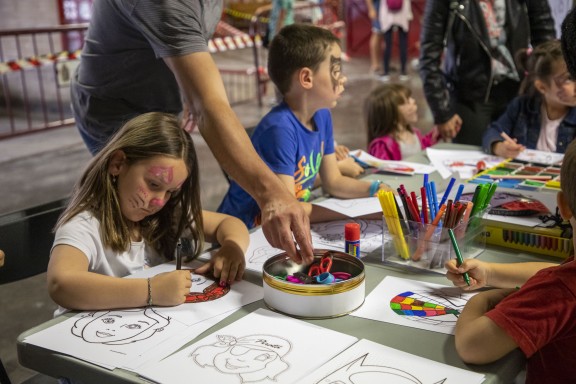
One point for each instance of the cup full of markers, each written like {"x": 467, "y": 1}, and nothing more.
{"x": 418, "y": 224}
{"x": 331, "y": 286}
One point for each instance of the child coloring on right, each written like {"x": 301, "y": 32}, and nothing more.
{"x": 534, "y": 308}
{"x": 543, "y": 117}
{"x": 389, "y": 111}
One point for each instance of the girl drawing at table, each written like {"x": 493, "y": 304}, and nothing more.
{"x": 543, "y": 116}
{"x": 136, "y": 198}
{"x": 389, "y": 112}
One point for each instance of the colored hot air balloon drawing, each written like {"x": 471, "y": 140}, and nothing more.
{"x": 438, "y": 307}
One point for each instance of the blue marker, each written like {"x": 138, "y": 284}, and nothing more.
{"x": 430, "y": 201}
{"x": 434, "y": 196}
{"x": 447, "y": 191}
{"x": 459, "y": 192}
{"x": 425, "y": 180}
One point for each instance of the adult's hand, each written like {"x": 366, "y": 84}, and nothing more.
{"x": 285, "y": 221}
{"x": 1, "y": 257}
{"x": 450, "y": 128}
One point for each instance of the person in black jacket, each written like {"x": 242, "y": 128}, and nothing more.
{"x": 479, "y": 76}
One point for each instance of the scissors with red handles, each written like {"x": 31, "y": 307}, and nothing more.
{"x": 323, "y": 266}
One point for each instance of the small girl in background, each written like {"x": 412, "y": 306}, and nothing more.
{"x": 389, "y": 111}
{"x": 543, "y": 116}
{"x": 139, "y": 195}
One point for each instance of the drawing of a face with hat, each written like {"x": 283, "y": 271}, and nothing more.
{"x": 253, "y": 358}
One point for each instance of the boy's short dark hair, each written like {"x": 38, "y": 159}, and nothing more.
{"x": 568, "y": 176}
{"x": 294, "y": 47}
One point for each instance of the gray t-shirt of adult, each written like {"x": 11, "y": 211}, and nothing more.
{"x": 121, "y": 72}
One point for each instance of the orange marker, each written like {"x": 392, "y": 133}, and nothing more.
{"x": 429, "y": 232}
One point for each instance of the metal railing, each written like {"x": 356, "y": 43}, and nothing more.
{"x": 35, "y": 68}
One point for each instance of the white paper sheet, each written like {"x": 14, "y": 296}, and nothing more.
{"x": 445, "y": 303}
{"x": 331, "y": 235}
{"x": 464, "y": 162}
{"x": 109, "y": 338}
{"x": 540, "y": 157}
{"x": 264, "y": 347}
{"x": 351, "y": 207}
{"x": 400, "y": 167}
{"x": 172, "y": 344}
{"x": 369, "y": 362}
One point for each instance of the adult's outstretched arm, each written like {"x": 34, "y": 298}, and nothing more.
{"x": 283, "y": 219}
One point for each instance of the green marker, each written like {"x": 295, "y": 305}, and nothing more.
{"x": 458, "y": 254}
{"x": 489, "y": 195}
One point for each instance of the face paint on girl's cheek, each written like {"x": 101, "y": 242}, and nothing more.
{"x": 166, "y": 174}
{"x": 336, "y": 72}
{"x": 139, "y": 200}
{"x": 157, "y": 203}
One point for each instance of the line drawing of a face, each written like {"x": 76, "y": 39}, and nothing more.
{"x": 122, "y": 326}
{"x": 252, "y": 358}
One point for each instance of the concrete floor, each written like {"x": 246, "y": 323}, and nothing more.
{"x": 43, "y": 167}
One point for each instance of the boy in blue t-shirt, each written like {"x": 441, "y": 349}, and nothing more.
{"x": 295, "y": 138}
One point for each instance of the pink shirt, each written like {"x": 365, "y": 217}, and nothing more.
{"x": 387, "y": 148}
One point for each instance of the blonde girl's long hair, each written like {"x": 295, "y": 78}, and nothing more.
{"x": 381, "y": 114}
{"x": 143, "y": 137}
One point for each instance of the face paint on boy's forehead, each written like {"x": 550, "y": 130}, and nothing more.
{"x": 335, "y": 71}
{"x": 166, "y": 174}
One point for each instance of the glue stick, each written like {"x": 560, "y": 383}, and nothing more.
{"x": 352, "y": 239}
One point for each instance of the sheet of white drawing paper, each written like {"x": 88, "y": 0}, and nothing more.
{"x": 174, "y": 343}
{"x": 391, "y": 164}
{"x": 447, "y": 161}
{"x": 541, "y": 157}
{"x": 401, "y": 301}
{"x": 351, "y": 207}
{"x": 369, "y": 362}
{"x": 330, "y": 235}
{"x": 110, "y": 338}
{"x": 264, "y": 347}
{"x": 209, "y": 298}
{"x": 259, "y": 251}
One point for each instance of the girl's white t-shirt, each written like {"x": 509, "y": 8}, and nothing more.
{"x": 83, "y": 232}
{"x": 548, "y": 132}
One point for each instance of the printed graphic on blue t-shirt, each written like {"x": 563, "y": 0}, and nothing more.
{"x": 288, "y": 148}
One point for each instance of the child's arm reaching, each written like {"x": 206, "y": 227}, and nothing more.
{"x": 72, "y": 286}
{"x": 337, "y": 185}
{"x": 228, "y": 263}
{"x": 478, "y": 339}
{"x": 498, "y": 275}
